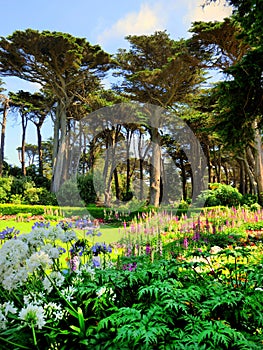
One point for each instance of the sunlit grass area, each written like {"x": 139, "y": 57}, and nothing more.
{"x": 110, "y": 233}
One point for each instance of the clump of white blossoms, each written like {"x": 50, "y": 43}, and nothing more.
{"x": 69, "y": 292}
{"x": 86, "y": 270}
{"x": 215, "y": 249}
{"x": 53, "y": 252}
{"x": 55, "y": 278}
{"x": 33, "y": 316}
{"x": 54, "y": 311}
{"x": 107, "y": 290}
{"x": 6, "y": 309}
{"x": 53, "y": 233}
{"x": 13, "y": 255}
{"x": 67, "y": 236}
{"x": 3, "y": 321}
{"x": 9, "y": 307}
{"x": 38, "y": 260}
{"x": 35, "y": 297}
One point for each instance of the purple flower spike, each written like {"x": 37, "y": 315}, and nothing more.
{"x": 96, "y": 263}
{"x": 148, "y": 249}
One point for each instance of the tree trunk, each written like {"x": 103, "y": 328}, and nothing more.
{"x": 117, "y": 186}
{"x": 2, "y": 142}
{"x": 250, "y": 175}
{"x": 141, "y": 161}
{"x": 183, "y": 177}
{"x": 259, "y": 163}
{"x": 155, "y": 176}
{"x": 23, "y": 144}
{"x": 209, "y": 164}
{"x": 39, "y": 148}
{"x": 59, "y": 147}
{"x": 198, "y": 165}
{"x": 242, "y": 176}
{"x": 109, "y": 165}
{"x": 224, "y": 166}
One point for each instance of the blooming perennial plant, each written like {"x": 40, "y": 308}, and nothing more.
{"x": 40, "y": 273}
{"x": 175, "y": 283}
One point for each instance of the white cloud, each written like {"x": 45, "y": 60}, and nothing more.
{"x": 146, "y": 21}
{"x": 153, "y": 15}
{"x": 213, "y": 12}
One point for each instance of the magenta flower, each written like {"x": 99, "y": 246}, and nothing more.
{"x": 148, "y": 249}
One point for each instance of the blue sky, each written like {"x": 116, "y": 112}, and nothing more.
{"x": 100, "y": 22}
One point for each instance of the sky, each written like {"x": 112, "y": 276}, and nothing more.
{"x": 106, "y": 23}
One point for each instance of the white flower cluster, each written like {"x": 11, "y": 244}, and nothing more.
{"x": 53, "y": 252}
{"x": 68, "y": 292}
{"x": 13, "y": 255}
{"x": 54, "y": 278}
{"x": 109, "y": 291}
{"x": 38, "y": 260}
{"x": 54, "y": 311}
{"x": 33, "y": 315}
{"x": 215, "y": 249}
{"x": 37, "y": 310}
{"x": 5, "y": 309}
{"x": 3, "y": 321}
{"x": 29, "y": 253}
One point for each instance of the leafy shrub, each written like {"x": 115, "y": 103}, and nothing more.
{"x": 16, "y": 199}
{"x": 249, "y": 199}
{"x": 31, "y": 196}
{"x": 220, "y": 194}
{"x": 5, "y": 189}
{"x": 209, "y": 198}
{"x": 255, "y": 207}
{"x": 14, "y": 209}
{"x": 86, "y": 188}
{"x": 69, "y": 194}
{"x": 228, "y": 195}
{"x": 46, "y": 197}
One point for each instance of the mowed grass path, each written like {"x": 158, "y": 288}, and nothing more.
{"x": 110, "y": 234}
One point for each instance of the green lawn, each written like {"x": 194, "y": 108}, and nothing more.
{"x": 109, "y": 233}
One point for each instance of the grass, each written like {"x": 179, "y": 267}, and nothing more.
{"x": 110, "y": 233}
{"x": 23, "y": 227}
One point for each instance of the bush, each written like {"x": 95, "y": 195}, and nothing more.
{"x": 249, "y": 199}
{"x": 255, "y": 207}
{"x": 14, "y": 209}
{"x": 220, "y": 194}
{"x": 69, "y": 194}
{"x": 16, "y": 199}
{"x": 86, "y": 188}
{"x": 46, "y": 197}
{"x": 5, "y": 188}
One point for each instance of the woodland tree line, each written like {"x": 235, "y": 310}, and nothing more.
{"x": 225, "y": 116}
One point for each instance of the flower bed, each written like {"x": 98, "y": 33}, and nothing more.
{"x": 170, "y": 283}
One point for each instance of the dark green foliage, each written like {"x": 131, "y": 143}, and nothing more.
{"x": 220, "y": 194}
{"x": 209, "y": 301}
{"x": 249, "y": 199}
{"x": 5, "y": 189}
{"x": 15, "y": 209}
{"x": 86, "y": 188}
{"x": 69, "y": 194}
{"x": 22, "y": 190}
{"x": 167, "y": 305}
